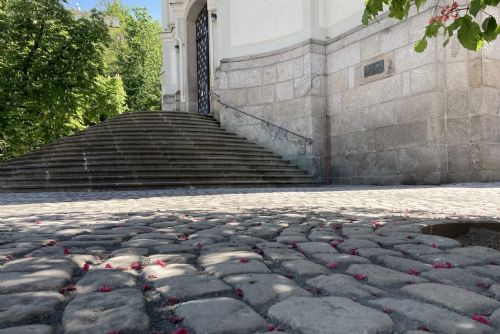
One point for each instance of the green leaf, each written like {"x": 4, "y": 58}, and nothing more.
{"x": 490, "y": 29}
{"x": 433, "y": 29}
{"x": 421, "y": 45}
{"x": 470, "y": 35}
{"x": 475, "y": 7}
{"x": 420, "y": 3}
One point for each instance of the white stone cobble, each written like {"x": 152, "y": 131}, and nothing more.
{"x": 247, "y": 261}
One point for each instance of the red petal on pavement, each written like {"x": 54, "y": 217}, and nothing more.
{"x": 481, "y": 318}
{"x": 86, "y": 267}
{"x": 108, "y": 266}
{"x": 180, "y": 331}
{"x": 136, "y": 266}
{"x": 161, "y": 263}
{"x": 243, "y": 260}
{"x": 332, "y": 266}
{"x": 238, "y": 293}
{"x": 105, "y": 288}
{"x": 67, "y": 251}
{"x": 360, "y": 277}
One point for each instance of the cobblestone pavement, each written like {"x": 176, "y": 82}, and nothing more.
{"x": 324, "y": 260}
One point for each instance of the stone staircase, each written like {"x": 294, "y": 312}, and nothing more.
{"x": 150, "y": 150}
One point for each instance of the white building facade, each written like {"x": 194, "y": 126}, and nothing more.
{"x": 376, "y": 112}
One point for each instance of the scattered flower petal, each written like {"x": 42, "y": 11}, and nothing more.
{"x": 172, "y": 301}
{"x": 272, "y": 328}
{"x": 161, "y": 263}
{"x": 146, "y": 287}
{"x": 413, "y": 272}
{"x": 175, "y": 319}
{"x": 182, "y": 237}
{"x": 446, "y": 265}
{"x": 67, "y": 251}
{"x": 86, "y": 267}
{"x": 434, "y": 245}
{"x": 243, "y": 260}
{"x": 238, "y": 293}
{"x": 332, "y": 266}
{"x": 51, "y": 243}
{"x": 136, "y": 266}
{"x": 67, "y": 289}
{"x": 38, "y": 222}
{"x": 423, "y": 328}
{"x": 108, "y": 266}
{"x": 292, "y": 245}
{"x": 481, "y": 318}
{"x": 388, "y": 310}
{"x": 180, "y": 331}
{"x": 360, "y": 277}
{"x": 483, "y": 285}
{"x": 376, "y": 224}
{"x": 105, "y": 288}
{"x": 353, "y": 251}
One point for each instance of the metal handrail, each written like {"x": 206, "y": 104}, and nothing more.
{"x": 309, "y": 141}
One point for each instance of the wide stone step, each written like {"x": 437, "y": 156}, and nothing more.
{"x": 146, "y": 164}
{"x": 78, "y": 179}
{"x": 150, "y": 150}
{"x": 148, "y": 154}
{"x": 151, "y": 170}
{"x": 156, "y": 186}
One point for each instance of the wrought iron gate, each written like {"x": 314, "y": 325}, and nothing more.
{"x": 203, "y": 60}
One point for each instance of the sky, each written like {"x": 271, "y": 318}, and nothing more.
{"x": 154, "y": 6}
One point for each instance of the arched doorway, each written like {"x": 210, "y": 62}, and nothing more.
{"x": 203, "y": 62}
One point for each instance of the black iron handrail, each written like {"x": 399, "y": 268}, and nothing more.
{"x": 309, "y": 141}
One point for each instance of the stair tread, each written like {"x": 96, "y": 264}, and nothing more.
{"x": 150, "y": 150}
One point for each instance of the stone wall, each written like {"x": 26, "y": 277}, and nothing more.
{"x": 427, "y": 118}
{"x": 286, "y": 88}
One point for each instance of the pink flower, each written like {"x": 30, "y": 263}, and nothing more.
{"x": 108, "y": 266}
{"x": 332, "y": 266}
{"x": 413, "y": 272}
{"x": 146, "y": 287}
{"x": 243, "y": 260}
{"x": 105, "y": 288}
{"x": 136, "y": 266}
{"x": 238, "y": 293}
{"x": 175, "y": 319}
{"x": 360, "y": 277}
{"x": 161, "y": 263}
{"x": 86, "y": 267}
{"x": 180, "y": 331}
{"x": 67, "y": 251}
{"x": 481, "y": 318}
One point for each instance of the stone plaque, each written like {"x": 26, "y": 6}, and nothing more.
{"x": 374, "y": 68}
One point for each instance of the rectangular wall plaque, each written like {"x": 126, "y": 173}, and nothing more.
{"x": 374, "y": 68}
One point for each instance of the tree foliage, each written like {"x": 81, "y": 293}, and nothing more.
{"x": 49, "y": 62}
{"x": 471, "y": 20}
{"x": 60, "y": 73}
{"x": 135, "y": 54}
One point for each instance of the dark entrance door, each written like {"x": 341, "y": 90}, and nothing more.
{"x": 203, "y": 62}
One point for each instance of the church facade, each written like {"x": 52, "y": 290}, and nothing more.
{"x": 354, "y": 104}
